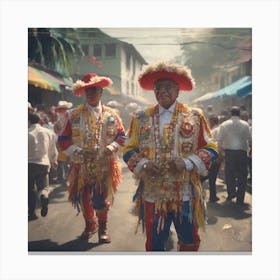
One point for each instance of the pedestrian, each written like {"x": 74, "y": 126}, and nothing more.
{"x": 169, "y": 147}
{"x": 245, "y": 116}
{"x": 209, "y": 111}
{"x": 233, "y": 139}
{"x": 62, "y": 128}
{"x": 52, "y": 114}
{"x": 216, "y": 164}
{"x": 45, "y": 122}
{"x": 42, "y": 154}
{"x": 225, "y": 115}
{"x": 97, "y": 134}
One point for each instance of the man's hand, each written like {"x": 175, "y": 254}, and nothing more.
{"x": 108, "y": 151}
{"x": 176, "y": 165}
{"x": 54, "y": 165}
{"x": 150, "y": 168}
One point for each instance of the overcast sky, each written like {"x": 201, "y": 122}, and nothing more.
{"x": 156, "y": 44}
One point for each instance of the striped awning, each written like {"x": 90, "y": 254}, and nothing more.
{"x": 42, "y": 79}
{"x": 246, "y": 90}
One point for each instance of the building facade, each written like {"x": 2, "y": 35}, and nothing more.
{"x": 110, "y": 57}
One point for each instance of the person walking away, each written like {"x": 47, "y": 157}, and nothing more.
{"x": 216, "y": 164}
{"x": 96, "y": 133}
{"x": 45, "y": 122}
{"x": 62, "y": 128}
{"x": 233, "y": 139}
{"x": 245, "y": 116}
{"x": 42, "y": 154}
{"x": 169, "y": 147}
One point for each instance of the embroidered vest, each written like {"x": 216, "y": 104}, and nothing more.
{"x": 179, "y": 138}
{"x": 93, "y": 135}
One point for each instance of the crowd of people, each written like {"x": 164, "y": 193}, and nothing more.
{"x": 233, "y": 133}
{"x": 170, "y": 148}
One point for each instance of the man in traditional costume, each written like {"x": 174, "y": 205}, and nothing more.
{"x": 169, "y": 147}
{"x": 96, "y": 133}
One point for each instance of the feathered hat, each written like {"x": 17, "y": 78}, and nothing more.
{"x": 91, "y": 80}
{"x": 165, "y": 70}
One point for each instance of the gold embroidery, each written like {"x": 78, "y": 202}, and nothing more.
{"x": 179, "y": 139}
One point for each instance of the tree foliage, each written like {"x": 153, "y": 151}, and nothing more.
{"x": 53, "y": 48}
{"x": 215, "y": 47}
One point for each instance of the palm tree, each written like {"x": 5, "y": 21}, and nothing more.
{"x": 54, "y": 48}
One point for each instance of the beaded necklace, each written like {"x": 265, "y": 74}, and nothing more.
{"x": 93, "y": 124}
{"x": 169, "y": 145}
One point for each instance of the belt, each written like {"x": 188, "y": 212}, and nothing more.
{"x": 63, "y": 138}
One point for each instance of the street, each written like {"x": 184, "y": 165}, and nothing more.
{"x": 228, "y": 229}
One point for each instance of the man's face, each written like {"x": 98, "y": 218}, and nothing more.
{"x": 166, "y": 92}
{"x": 61, "y": 111}
{"x": 93, "y": 95}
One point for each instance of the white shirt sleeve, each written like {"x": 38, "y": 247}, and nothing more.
{"x": 53, "y": 153}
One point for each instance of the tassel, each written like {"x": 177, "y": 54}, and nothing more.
{"x": 162, "y": 223}
{"x": 140, "y": 212}
{"x": 163, "y": 207}
{"x": 198, "y": 206}
{"x": 159, "y": 225}
{"x": 116, "y": 175}
{"x": 135, "y": 196}
{"x": 173, "y": 206}
{"x": 137, "y": 226}
{"x": 142, "y": 215}
{"x": 138, "y": 192}
{"x": 76, "y": 204}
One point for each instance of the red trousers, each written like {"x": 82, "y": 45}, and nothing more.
{"x": 90, "y": 210}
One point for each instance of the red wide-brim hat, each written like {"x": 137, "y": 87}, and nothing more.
{"x": 165, "y": 70}
{"x": 91, "y": 80}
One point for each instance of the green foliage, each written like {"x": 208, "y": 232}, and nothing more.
{"x": 54, "y": 48}
{"x": 214, "y": 47}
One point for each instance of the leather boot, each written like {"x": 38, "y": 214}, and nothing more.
{"x": 102, "y": 233}
{"x": 91, "y": 228}
{"x": 102, "y": 216}
{"x": 188, "y": 247}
